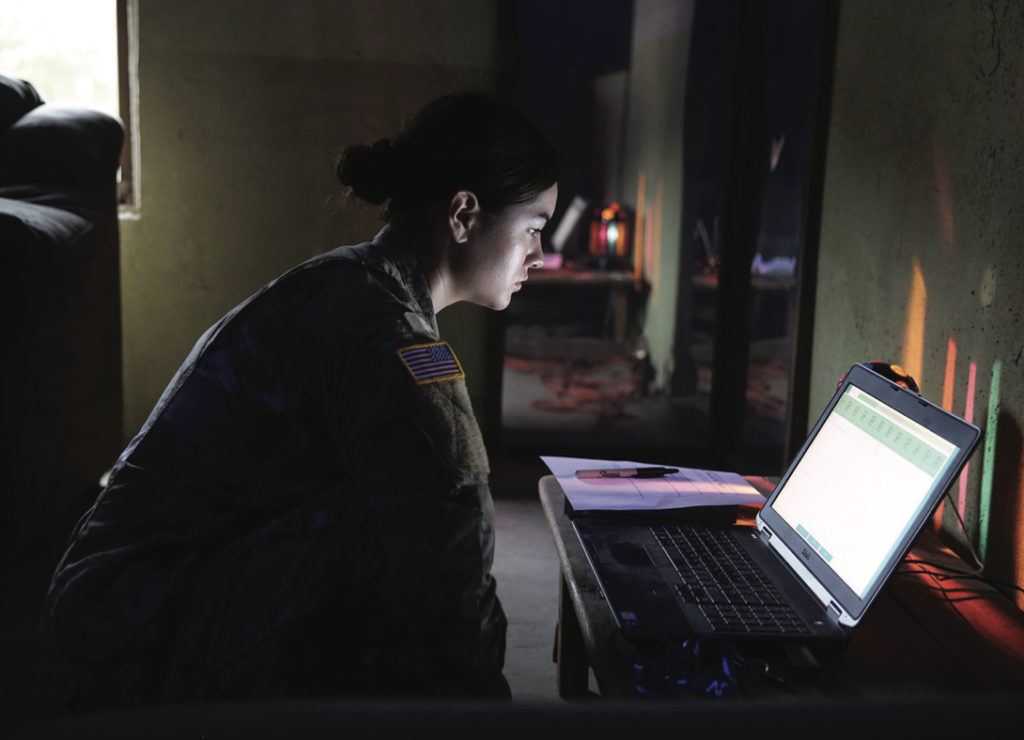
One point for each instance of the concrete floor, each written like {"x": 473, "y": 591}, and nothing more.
{"x": 526, "y": 568}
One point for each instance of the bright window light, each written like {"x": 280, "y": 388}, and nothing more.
{"x": 67, "y": 49}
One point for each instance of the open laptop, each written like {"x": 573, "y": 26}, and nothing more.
{"x": 841, "y": 519}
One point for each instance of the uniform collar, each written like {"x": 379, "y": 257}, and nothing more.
{"x": 399, "y": 258}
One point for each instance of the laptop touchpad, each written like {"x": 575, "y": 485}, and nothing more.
{"x": 628, "y": 553}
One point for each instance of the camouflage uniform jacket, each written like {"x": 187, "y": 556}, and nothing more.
{"x": 305, "y": 511}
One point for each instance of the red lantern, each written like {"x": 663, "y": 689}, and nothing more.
{"x": 611, "y": 236}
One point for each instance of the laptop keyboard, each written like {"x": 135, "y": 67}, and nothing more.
{"x": 721, "y": 579}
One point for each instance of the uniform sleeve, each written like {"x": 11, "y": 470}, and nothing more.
{"x": 411, "y": 443}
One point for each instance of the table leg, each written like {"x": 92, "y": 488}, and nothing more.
{"x": 573, "y": 668}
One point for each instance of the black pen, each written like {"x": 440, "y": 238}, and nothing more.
{"x": 654, "y": 472}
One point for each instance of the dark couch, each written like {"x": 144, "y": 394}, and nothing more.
{"x": 60, "y": 343}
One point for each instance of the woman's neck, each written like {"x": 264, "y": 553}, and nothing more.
{"x": 432, "y": 251}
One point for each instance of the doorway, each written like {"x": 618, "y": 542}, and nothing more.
{"x": 704, "y": 122}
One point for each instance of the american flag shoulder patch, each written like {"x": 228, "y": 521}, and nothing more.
{"x": 429, "y": 363}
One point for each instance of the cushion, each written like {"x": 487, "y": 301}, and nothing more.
{"x": 61, "y": 147}
{"x": 33, "y": 234}
{"x": 17, "y": 98}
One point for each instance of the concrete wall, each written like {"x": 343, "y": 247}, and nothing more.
{"x": 922, "y": 244}
{"x": 243, "y": 105}
{"x": 653, "y": 178}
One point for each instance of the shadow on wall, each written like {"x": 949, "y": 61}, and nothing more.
{"x": 1005, "y": 549}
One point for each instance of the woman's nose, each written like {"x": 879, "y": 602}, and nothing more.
{"x": 535, "y": 258}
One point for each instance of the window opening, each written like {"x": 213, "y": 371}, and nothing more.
{"x": 77, "y": 52}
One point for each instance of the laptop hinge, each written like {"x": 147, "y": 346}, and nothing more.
{"x": 834, "y": 608}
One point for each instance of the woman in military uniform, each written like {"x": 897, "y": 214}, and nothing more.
{"x": 306, "y": 510}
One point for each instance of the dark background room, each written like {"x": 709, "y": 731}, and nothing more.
{"x": 755, "y": 196}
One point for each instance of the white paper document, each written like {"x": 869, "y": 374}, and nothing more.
{"x": 685, "y": 488}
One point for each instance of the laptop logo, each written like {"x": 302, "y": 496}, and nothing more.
{"x": 807, "y": 555}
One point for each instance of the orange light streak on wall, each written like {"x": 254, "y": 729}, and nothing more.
{"x": 913, "y": 333}
{"x": 639, "y": 226}
{"x": 949, "y": 379}
{"x": 948, "y": 385}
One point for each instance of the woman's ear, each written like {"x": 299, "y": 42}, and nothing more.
{"x": 463, "y": 212}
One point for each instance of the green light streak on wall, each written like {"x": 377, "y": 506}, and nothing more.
{"x": 988, "y": 462}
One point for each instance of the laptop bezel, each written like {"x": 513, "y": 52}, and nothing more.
{"x": 822, "y": 580}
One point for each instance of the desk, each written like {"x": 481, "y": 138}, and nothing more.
{"x": 914, "y": 641}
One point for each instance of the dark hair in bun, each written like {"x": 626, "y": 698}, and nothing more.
{"x": 369, "y": 171}
{"x": 468, "y": 141}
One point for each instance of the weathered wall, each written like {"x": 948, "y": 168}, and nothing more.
{"x": 243, "y": 107}
{"x": 922, "y": 244}
{"x": 653, "y": 181}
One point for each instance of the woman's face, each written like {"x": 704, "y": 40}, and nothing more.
{"x": 503, "y": 250}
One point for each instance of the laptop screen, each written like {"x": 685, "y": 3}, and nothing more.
{"x": 872, "y": 470}
{"x": 861, "y": 484}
